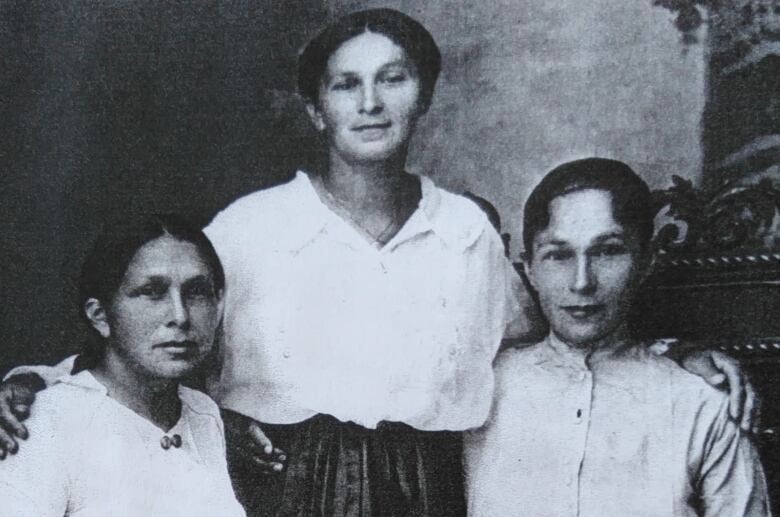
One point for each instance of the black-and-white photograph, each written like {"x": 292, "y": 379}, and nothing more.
{"x": 395, "y": 258}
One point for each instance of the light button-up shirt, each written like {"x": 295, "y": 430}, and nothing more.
{"x": 619, "y": 432}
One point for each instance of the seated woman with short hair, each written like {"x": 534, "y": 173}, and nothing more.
{"x": 589, "y": 422}
{"x": 123, "y": 437}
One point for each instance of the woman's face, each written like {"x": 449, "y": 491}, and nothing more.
{"x": 163, "y": 317}
{"x": 585, "y": 267}
{"x": 369, "y": 99}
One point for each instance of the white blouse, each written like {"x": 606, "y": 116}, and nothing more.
{"x": 319, "y": 320}
{"x": 90, "y": 456}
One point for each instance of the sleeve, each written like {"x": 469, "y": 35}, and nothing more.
{"x": 731, "y": 479}
{"x": 49, "y": 374}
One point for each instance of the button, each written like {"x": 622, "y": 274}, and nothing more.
{"x": 165, "y": 442}
{"x": 176, "y": 440}
{"x": 286, "y": 354}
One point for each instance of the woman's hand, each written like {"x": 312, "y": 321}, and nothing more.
{"x": 264, "y": 454}
{"x": 17, "y": 395}
{"x": 725, "y": 372}
{"x": 248, "y": 442}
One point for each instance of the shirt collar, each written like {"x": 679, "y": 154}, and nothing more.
{"x": 584, "y": 358}
{"x": 432, "y": 215}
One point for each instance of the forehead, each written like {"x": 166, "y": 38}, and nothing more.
{"x": 365, "y": 52}
{"x": 580, "y": 217}
{"x": 169, "y": 257}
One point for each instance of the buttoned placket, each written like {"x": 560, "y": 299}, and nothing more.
{"x": 578, "y": 407}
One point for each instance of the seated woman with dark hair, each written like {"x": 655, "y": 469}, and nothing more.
{"x": 122, "y": 437}
{"x": 589, "y": 422}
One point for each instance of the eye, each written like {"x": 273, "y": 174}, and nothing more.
{"x": 153, "y": 290}
{"x": 557, "y": 255}
{"x": 609, "y": 250}
{"x": 394, "y": 77}
{"x": 201, "y": 289}
{"x": 345, "y": 84}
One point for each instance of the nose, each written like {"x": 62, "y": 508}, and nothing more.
{"x": 584, "y": 281}
{"x": 180, "y": 313}
{"x": 370, "y": 101}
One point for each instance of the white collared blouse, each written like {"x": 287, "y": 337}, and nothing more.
{"x": 90, "y": 456}
{"x": 320, "y": 320}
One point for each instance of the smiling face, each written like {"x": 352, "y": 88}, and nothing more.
{"x": 162, "y": 319}
{"x": 369, "y": 99}
{"x": 585, "y": 267}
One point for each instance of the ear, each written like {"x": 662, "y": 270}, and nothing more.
{"x": 97, "y": 316}
{"x": 316, "y": 116}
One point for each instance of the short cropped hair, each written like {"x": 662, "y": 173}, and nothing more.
{"x": 401, "y": 29}
{"x": 632, "y": 202}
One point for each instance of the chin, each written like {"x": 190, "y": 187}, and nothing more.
{"x": 175, "y": 370}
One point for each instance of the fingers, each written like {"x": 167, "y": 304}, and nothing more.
{"x": 7, "y": 442}
{"x": 22, "y": 411}
{"x": 264, "y": 454}
{"x": 22, "y": 395}
{"x": 9, "y": 419}
{"x": 259, "y": 438}
{"x": 750, "y": 410}
{"x": 737, "y": 392}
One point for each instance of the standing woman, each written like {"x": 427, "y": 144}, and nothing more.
{"x": 364, "y": 304}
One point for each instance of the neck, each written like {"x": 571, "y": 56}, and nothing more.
{"x": 608, "y": 343}
{"x": 374, "y": 185}
{"x": 153, "y": 398}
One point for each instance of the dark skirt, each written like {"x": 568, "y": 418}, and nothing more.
{"x": 343, "y": 469}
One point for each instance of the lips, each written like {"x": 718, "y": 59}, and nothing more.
{"x": 582, "y": 312}
{"x": 368, "y": 127}
{"x": 178, "y": 346}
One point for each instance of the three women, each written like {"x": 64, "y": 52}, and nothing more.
{"x": 364, "y": 305}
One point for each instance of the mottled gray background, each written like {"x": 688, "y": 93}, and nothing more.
{"x": 138, "y": 105}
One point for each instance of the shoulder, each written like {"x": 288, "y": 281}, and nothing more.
{"x": 238, "y": 214}
{"x": 60, "y": 420}
{"x": 514, "y": 364}
{"x": 690, "y": 393}
{"x": 63, "y": 405}
{"x": 455, "y": 217}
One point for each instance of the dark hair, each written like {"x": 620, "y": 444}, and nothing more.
{"x": 401, "y": 29}
{"x": 487, "y": 207}
{"x": 632, "y": 203}
{"x": 106, "y": 264}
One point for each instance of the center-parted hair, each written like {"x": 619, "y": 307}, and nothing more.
{"x": 106, "y": 264}
{"x": 404, "y": 31}
{"x": 632, "y": 202}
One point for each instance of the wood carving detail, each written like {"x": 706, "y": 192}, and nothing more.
{"x": 738, "y": 217}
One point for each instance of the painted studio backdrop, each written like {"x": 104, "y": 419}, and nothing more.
{"x": 140, "y": 105}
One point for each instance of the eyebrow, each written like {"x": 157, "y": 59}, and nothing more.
{"x": 611, "y": 235}
{"x": 406, "y": 63}
{"x": 599, "y": 238}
